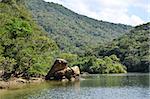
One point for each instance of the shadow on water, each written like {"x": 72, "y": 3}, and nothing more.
{"x": 90, "y": 86}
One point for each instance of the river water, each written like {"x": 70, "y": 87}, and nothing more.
{"x": 107, "y": 86}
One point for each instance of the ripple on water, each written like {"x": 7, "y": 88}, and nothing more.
{"x": 93, "y": 93}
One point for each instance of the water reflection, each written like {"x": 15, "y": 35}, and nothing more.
{"x": 114, "y": 86}
{"x": 116, "y": 80}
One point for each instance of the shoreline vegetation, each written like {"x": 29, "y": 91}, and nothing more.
{"x": 27, "y": 50}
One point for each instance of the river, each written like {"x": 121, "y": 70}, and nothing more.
{"x": 95, "y": 86}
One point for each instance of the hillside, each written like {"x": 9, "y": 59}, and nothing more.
{"x": 132, "y": 49}
{"x": 25, "y": 50}
{"x": 73, "y": 32}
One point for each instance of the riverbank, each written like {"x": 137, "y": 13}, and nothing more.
{"x": 18, "y": 82}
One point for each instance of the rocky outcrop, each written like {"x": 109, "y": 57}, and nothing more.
{"x": 18, "y": 82}
{"x": 59, "y": 64}
{"x": 76, "y": 70}
{"x": 61, "y": 71}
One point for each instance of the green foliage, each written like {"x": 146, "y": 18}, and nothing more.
{"x": 107, "y": 64}
{"x": 113, "y": 65}
{"x": 132, "y": 49}
{"x": 19, "y": 28}
{"x": 71, "y": 58}
{"x": 25, "y": 50}
{"x": 72, "y": 32}
{"x": 7, "y": 65}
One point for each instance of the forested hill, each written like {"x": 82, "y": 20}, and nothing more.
{"x": 25, "y": 49}
{"x": 132, "y": 49}
{"x": 73, "y": 32}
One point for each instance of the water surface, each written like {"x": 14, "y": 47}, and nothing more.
{"x": 110, "y": 86}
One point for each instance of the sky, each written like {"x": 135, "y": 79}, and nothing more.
{"x": 130, "y": 12}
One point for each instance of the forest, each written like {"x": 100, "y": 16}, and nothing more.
{"x": 73, "y": 32}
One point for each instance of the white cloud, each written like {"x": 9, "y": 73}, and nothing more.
{"x": 120, "y": 16}
{"x": 117, "y": 11}
{"x": 135, "y": 20}
{"x": 148, "y": 8}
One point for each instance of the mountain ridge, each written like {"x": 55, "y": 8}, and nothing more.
{"x": 73, "y": 32}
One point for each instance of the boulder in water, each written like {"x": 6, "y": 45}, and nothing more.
{"x": 61, "y": 71}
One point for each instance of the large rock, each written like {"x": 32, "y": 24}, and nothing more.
{"x": 59, "y": 75}
{"x": 76, "y": 70}
{"x": 61, "y": 71}
{"x": 69, "y": 73}
{"x": 60, "y": 64}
